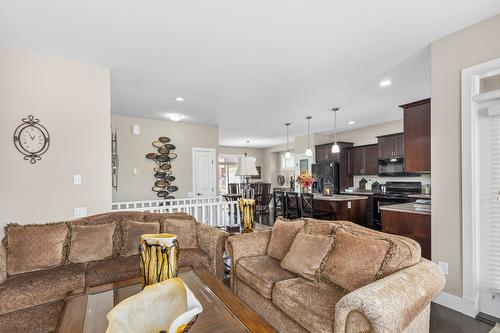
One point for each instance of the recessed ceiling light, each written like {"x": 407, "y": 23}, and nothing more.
{"x": 179, "y": 99}
{"x": 352, "y": 122}
{"x": 385, "y": 83}
{"x": 175, "y": 116}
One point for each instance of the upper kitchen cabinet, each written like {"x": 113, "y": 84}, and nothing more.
{"x": 324, "y": 151}
{"x": 417, "y": 136}
{"x": 391, "y": 146}
{"x": 363, "y": 160}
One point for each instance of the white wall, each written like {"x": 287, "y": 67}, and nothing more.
{"x": 474, "y": 45}
{"x": 133, "y": 148}
{"x": 72, "y": 100}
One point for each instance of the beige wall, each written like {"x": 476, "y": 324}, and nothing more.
{"x": 133, "y": 148}
{"x": 72, "y": 100}
{"x": 258, "y": 153}
{"x": 469, "y": 47}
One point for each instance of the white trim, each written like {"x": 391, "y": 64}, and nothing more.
{"x": 213, "y": 171}
{"x": 470, "y": 183}
{"x": 462, "y": 305}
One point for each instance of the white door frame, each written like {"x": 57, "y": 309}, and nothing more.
{"x": 213, "y": 171}
{"x": 470, "y": 185}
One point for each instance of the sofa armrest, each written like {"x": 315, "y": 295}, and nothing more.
{"x": 211, "y": 241}
{"x": 246, "y": 245}
{"x": 392, "y": 303}
{"x": 3, "y": 263}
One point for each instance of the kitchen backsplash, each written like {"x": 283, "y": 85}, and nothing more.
{"x": 424, "y": 179}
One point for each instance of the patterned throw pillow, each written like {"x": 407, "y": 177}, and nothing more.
{"x": 283, "y": 234}
{"x": 91, "y": 242}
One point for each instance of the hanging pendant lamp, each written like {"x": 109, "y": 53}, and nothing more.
{"x": 308, "y": 150}
{"x": 335, "y": 147}
{"x": 287, "y": 154}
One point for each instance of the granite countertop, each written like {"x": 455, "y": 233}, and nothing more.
{"x": 358, "y": 192}
{"x": 419, "y": 196}
{"x": 404, "y": 208}
{"x": 338, "y": 197}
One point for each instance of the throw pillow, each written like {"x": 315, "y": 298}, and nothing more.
{"x": 132, "y": 231}
{"x": 306, "y": 254}
{"x": 282, "y": 236}
{"x": 34, "y": 247}
{"x": 91, "y": 242}
{"x": 319, "y": 227}
{"x": 355, "y": 261}
{"x": 185, "y": 229}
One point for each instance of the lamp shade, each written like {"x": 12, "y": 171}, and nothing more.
{"x": 246, "y": 166}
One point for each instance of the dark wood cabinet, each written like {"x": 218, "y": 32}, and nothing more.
{"x": 344, "y": 210}
{"x": 417, "y": 136}
{"x": 363, "y": 160}
{"x": 391, "y": 146}
{"x": 414, "y": 226}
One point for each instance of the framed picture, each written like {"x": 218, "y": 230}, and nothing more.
{"x": 259, "y": 170}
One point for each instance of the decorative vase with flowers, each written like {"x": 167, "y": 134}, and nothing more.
{"x": 305, "y": 180}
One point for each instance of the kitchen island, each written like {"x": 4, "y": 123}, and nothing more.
{"x": 343, "y": 207}
{"x": 405, "y": 220}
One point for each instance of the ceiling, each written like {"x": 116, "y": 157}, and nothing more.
{"x": 249, "y": 67}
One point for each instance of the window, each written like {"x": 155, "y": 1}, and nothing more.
{"x": 287, "y": 163}
{"x": 227, "y": 170}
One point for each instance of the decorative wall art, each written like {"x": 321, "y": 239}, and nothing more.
{"x": 162, "y": 172}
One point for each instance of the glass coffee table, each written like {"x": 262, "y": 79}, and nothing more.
{"x": 223, "y": 312}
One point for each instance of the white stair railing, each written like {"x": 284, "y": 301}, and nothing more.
{"x": 213, "y": 211}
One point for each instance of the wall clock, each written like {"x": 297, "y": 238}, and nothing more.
{"x": 31, "y": 139}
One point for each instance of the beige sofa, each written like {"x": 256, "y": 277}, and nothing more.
{"x": 41, "y": 263}
{"x": 308, "y": 275}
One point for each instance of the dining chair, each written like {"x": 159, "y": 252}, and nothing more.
{"x": 279, "y": 204}
{"x": 308, "y": 208}
{"x": 233, "y": 188}
{"x": 292, "y": 208}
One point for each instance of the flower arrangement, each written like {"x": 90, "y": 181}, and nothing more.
{"x": 305, "y": 179}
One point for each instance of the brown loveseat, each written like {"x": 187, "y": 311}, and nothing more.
{"x": 40, "y": 264}
{"x": 308, "y": 275}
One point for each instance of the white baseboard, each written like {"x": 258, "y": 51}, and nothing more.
{"x": 460, "y": 304}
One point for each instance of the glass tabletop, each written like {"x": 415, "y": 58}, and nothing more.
{"x": 215, "y": 317}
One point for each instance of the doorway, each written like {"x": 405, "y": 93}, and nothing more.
{"x": 204, "y": 172}
{"x": 481, "y": 189}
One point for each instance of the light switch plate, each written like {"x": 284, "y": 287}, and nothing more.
{"x": 135, "y": 171}
{"x": 80, "y": 212}
{"x": 349, "y": 205}
{"x": 136, "y": 129}
{"x": 77, "y": 179}
{"x": 444, "y": 267}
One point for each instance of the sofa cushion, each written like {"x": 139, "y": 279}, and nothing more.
{"x": 306, "y": 254}
{"x": 132, "y": 231}
{"x": 311, "y": 304}
{"x": 185, "y": 229}
{"x": 35, "y": 247}
{"x": 91, "y": 242}
{"x": 34, "y": 288}
{"x": 194, "y": 258}
{"x": 261, "y": 273}
{"x": 320, "y": 227}
{"x": 405, "y": 252}
{"x": 355, "y": 261}
{"x": 37, "y": 319}
{"x": 113, "y": 269}
{"x": 282, "y": 236}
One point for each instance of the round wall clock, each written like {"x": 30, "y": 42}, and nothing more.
{"x": 31, "y": 139}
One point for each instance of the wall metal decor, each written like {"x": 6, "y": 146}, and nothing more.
{"x": 31, "y": 139}
{"x": 162, "y": 173}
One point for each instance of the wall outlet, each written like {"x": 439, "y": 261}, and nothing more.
{"x": 349, "y": 205}
{"x": 80, "y": 212}
{"x": 444, "y": 267}
{"x": 135, "y": 171}
{"x": 77, "y": 179}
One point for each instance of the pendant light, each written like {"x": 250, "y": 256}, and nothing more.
{"x": 335, "y": 147}
{"x": 308, "y": 150}
{"x": 287, "y": 154}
